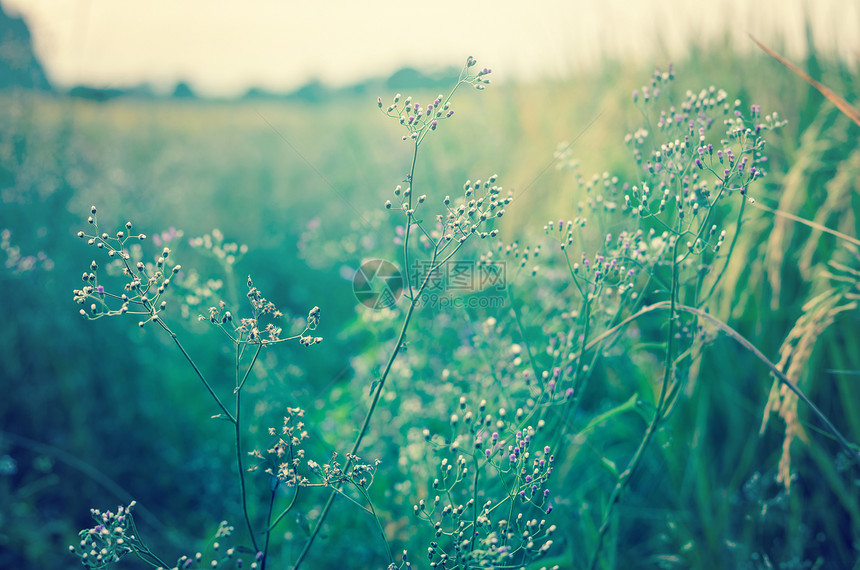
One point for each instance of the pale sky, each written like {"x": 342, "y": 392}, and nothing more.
{"x": 223, "y": 47}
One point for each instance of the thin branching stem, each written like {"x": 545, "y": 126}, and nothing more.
{"x": 728, "y": 256}
{"x": 238, "y": 432}
{"x": 269, "y": 522}
{"x": 364, "y": 426}
{"x": 475, "y": 505}
{"x": 221, "y": 405}
{"x": 407, "y": 229}
{"x": 284, "y": 513}
{"x": 625, "y": 476}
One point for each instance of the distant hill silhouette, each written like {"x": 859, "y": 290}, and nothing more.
{"x": 183, "y": 91}
{"x": 409, "y": 78}
{"x": 313, "y": 92}
{"x": 95, "y": 93}
{"x": 19, "y": 66}
{"x": 403, "y": 79}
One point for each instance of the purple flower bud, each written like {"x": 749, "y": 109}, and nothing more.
{"x": 450, "y": 112}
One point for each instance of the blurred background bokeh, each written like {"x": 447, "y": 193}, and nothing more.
{"x": 260, "y": 121}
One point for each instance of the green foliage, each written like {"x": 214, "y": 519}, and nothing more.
{"x": 636, "y": 418}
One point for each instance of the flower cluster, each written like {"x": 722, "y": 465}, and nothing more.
{"x": 419, "y": 119}
{"x": 284, "y": 459}
{"x": 221, "y": 557}
{"x": 263, "y": 326}
{"x": 353, "y": 471}
{"x": 490, "y": 489}
{"x": 115, "y": 536}
{"x": 481, "y": 205}
{"x": 286, "y": 455}
{"x": 482, "y": 202}
{"x": 146, "y": 282}
{"x": 691, "y": 171}
{"x": 109, "y": 540}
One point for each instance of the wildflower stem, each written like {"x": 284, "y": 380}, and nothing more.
{"x": 379, "y": 526}
{"x": 151, "y": 559}
{"x": 221, "y": 405}
{"x": 523, "y": 334}
{"x": 363, "y": 431}
{"x": 624, "y": 477}
{"x": 248, "y": 371}
{"x": 728, "y": 255}
{"x": 283, "y": 513}
{"x": 406, "y": 230}
{"x": 143, "y": 549}
{"x": 577, "y": 381}
{"x": 238, "y": 431}
{"x": 268, "y": 523}
{"x": 475, "y": 505}
{"x": 413, "y": 302}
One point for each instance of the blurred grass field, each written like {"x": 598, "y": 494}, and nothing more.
{"x": 97, "y": 412}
